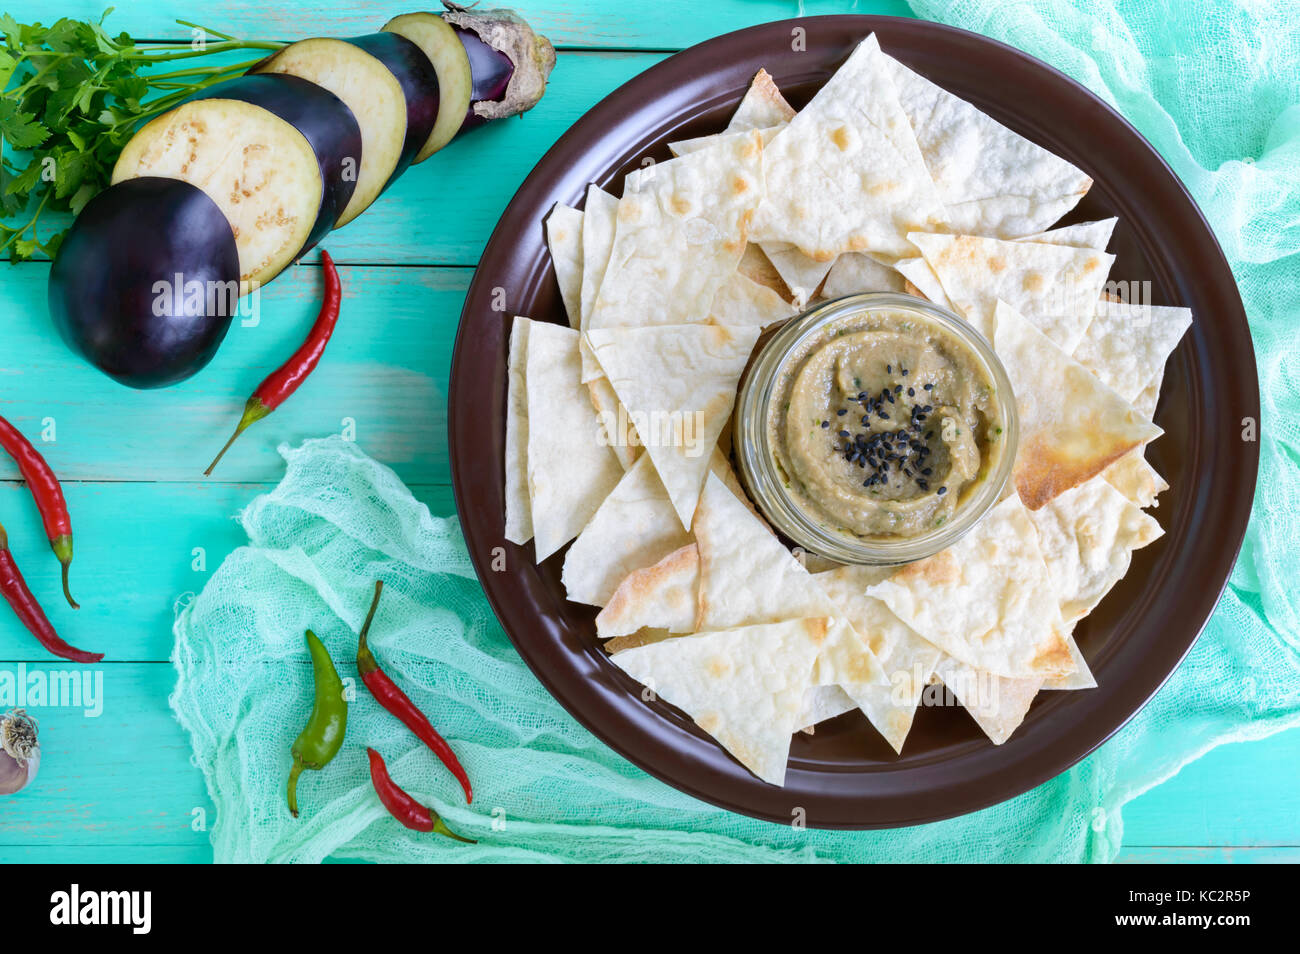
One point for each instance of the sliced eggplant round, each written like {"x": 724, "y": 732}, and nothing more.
{"x": 444, "y": 49}
{"x": 419, "y": 82}
{"x": 259, "y": 170}
{"x": 146, "y": 281}
{"x": 370, "y": 90}
{"x": 324, "y": 121}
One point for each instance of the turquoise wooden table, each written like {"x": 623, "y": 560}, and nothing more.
{"x": 116, "y": 782}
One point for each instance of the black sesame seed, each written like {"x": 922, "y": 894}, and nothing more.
{"x": 926, "y": 472}
{"x": 911, "y": 392}
{"x": 844, "y": 433}
{"x": 905, "y": 372}
{"x": 928, "y": 387}
{"x": 883, "y": 416}
{"x": 826, "y": 423}
{"x": 941, "y": 491}
{"x": 891, "y": 398}
{"x": 898, "y": 388}
{"x": 889, "y": 369}
{"x": 842, "y": 411}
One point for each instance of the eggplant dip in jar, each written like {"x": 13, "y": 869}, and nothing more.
{"x": 883, "y": 420}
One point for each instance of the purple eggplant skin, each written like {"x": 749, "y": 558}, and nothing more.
{"x": 419, "y": 82}
{"x": 122, "y": 290}
{"x": 324, "y": 121}
{"x": 490, "y": 71}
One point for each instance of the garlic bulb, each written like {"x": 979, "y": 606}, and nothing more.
{"x": 20, "y": 753}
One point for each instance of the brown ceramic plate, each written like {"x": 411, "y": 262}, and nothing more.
{"x": 845, "y": 776}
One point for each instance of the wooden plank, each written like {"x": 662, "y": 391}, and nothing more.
{"x": 139, "y": 547}
{"x": 119, "y": 787}
{"x": 121, "y": 777}
{"x": 443, "y": 211}
{"x": 386, "y": 371}
{"x": 663, "y": 25}
{"x": 1239, "y": 794}
{"x": 90, "y": 787}
{"x": 1225, "y": 855}
{"x": 97, "y": 854}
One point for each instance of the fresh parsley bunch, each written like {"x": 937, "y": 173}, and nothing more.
{"x": 71, "y": 95}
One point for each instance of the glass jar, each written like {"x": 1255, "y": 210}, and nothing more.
{"x": 768, "y": 484}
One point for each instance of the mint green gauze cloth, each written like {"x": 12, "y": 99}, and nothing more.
{"x": 1214, "y": 87}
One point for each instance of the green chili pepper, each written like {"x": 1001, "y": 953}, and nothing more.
{"x": 321, "y": 740}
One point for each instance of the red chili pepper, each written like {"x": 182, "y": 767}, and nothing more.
{"x": 14, "y": 589}
{"x": 402, "y": 806}
{"x": 275, "y": 390}
{"x": 399, "y": 703}
{"x": 48, "y": 495}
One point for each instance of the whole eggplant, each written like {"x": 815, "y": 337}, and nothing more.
{"x": 146, "y": 282}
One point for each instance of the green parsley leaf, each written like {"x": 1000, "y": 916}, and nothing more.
{"x": 21, "y": 130}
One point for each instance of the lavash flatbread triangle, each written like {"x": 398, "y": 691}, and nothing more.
{"x": 906, "y": 659}
{"x": 1094, "y": 235}
{"x": 642, "y": 637}
{"x": 987, "y": 600}
{"x": 765, "y": 109}
{"x": 620, "y": 435}
{"x": 1054, "y": 286}
{"x": 1087, "y": 536}
{"x": 519, "y": 515}
{"x": 564, "y": 239}
{"x": 801, "y": 274}
{"x": 917, "y": 271}
{"x": 748, "y": 576}
{"x": 679, "y": 383}
{"x": 680, "y": 234}
{"x": 821, "y": 703}
{"x": 599, "y": 219}
{"x": 665, "y": 595}
{"x": 923, "y": 281}
{"x": 742, "y": 301}
{"x": 846, "y": 174}
{"x": 570, "y": 470}
{"x": 635, "y": 526}
{"x": 742, "y": 686}
{"x": 997, "y": 704}
{"x": 1072, "y": 427}
{"x": 854, "y": 272}
{"x": 991, "y": 181}
{"x": 1134, "y": 477}
{"x": 1081, "y": 678}
{"x": 757, "y": 267}
{"x": 762, "y": 107}
{"x": 1126, "y": 346}
{"x": 1147, "y": 402}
